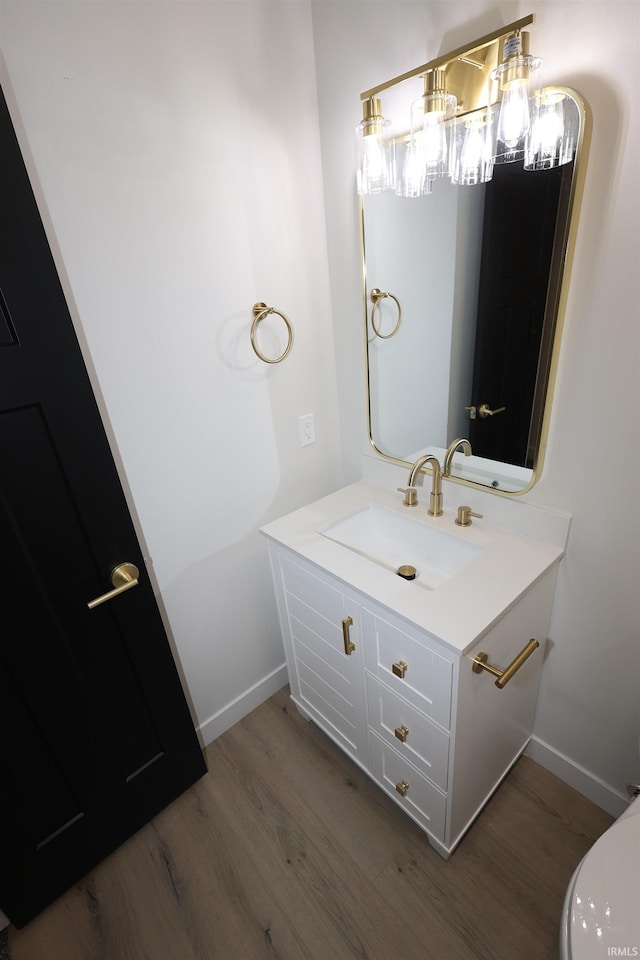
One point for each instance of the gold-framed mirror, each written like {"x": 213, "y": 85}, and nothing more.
{"x": 464, "y": 291}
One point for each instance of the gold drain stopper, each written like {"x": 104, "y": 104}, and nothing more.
{"x": 407, "y": 571}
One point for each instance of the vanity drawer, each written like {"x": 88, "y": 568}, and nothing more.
{"x": 421, "y": 800}
{"x": 408, "y": 731}
{"x": 410, "y": 664}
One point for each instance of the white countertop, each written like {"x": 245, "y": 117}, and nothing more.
{"x": 460, "y": 610}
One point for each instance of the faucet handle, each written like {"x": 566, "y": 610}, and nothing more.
{"x": 410, "y": 495}
{"x": 464, "y": 516}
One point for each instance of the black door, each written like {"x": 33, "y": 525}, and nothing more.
{"x": 517, "y": 299}
{"x": 96, "y": 733}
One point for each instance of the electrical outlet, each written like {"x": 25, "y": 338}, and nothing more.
{"x": 306, "y": 429}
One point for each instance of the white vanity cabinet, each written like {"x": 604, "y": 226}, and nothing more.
{"x": 321, "y": 631}
{"x": 402, "y": 703}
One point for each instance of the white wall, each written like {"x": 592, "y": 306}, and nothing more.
{"x": 588, "y": 711}
{"x": 174, "y": 149}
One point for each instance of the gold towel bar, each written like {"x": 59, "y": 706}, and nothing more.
{"x": 480, "y": 664}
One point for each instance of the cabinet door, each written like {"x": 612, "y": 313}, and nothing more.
{"x": 325, "y": 655}
{"x": 493, "y": 726}
{"x": 410, "y": 663}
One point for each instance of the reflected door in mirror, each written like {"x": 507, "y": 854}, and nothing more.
{"x": 523, "y": 212}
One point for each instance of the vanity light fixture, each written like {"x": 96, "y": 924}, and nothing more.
{"x": 512, "y": 73}
{"x": 553, "y": 133}
{"x": 411, "y": 177}
{"x": 428, "y": 125}
{"x": 473, "y": 152}
{"x": 475, "y": 111}
{"x": 375, "y": 150}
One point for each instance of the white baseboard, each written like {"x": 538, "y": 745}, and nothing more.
{"x": 211, "y": 729}
{"x": 577, "y": 777}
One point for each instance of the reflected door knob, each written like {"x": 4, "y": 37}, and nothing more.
{"x": 485, "y": 411}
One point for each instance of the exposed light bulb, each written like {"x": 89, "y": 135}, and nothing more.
{"x": 514, "y": 114}
{"x": 435, "y": 143}
{"x": 548, "y": 127}
{"x": 513, "y": 76}
{"x": 412, "y": 180}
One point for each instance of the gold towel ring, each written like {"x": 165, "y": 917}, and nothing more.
{"x": 260, "y": 311}
{"x": 376, "y": 296}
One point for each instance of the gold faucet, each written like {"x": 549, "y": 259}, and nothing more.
{"x": 411, "y": 494}
{"x": 451, "y": 449}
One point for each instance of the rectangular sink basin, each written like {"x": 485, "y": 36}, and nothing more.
{"x": 393, "y": 540}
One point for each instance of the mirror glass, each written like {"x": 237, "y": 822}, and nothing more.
{"x": 463, "y": 325}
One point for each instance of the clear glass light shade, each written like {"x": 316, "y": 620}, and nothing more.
{"x": 474, "y": 150}
{"x": 411, "y": 178}
{"x": 514, "y": 119}
{"x": 553, "y": 133}
{"x": 375, "y": 157}
{"x": 429, "y": 132}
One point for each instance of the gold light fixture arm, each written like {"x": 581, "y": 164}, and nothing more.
{"x": 503, "y": 676}
{"x": 468, "y": 69}
{"x": 463, "y": 54}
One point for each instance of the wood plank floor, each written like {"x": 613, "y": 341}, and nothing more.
{"x": 285, "y": 849}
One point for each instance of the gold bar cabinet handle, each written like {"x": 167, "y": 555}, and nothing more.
{"x": 400, "y": 668}
{"x": 503, "y": 676}
{"x": 402, "y": 787}
{"x": 349, "y": 645}
{"x": 123, "y": 577}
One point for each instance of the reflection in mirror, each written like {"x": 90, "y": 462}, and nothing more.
{"x": 476, "y": 274}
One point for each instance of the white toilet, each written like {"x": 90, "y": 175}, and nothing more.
{"x": 601, "y": 915}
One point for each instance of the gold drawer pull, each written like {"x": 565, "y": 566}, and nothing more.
{"x": 402, "y": 787}
{"x": 480, "y": 664}
{"x": 400, "y": 668}
{"x": 402, "y": 733}
{"x": 349, "y": 645}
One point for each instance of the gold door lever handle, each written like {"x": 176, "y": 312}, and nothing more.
{"x": 484, "y": 410}
{"x": 503, "y": 676}
{"x": 123, "y": 577}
